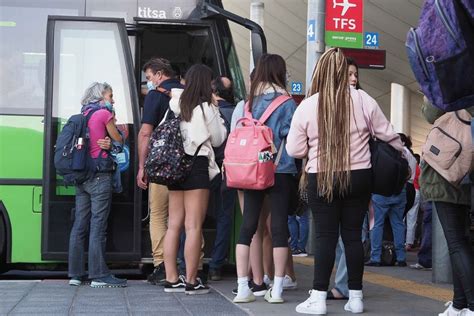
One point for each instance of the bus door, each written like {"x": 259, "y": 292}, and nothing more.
{"x": 82, "y": 50}
{"x": 184, "y": 44}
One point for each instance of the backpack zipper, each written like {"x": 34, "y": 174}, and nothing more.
{"x": 444, "y": 19}
{"x": 449, "y": 136}
{"x": 419, "y": 53}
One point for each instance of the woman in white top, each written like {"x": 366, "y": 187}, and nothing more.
{"x": 201, "y": 128}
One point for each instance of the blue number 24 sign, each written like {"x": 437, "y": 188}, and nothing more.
{"x": 371, "y": 40}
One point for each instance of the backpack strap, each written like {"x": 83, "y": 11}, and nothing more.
{"x": 280, "y": 152}
{"x": 164, "y": 91}
{"x": 270, "y": 109}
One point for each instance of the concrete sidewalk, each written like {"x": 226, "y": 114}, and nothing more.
{"x": 387, "y": 291}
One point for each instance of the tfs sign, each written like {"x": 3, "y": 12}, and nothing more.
{"x": 344, "y": 15}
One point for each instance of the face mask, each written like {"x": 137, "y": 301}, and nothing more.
{"x": 108, "y": 105}
{"x": 150, "y": 85}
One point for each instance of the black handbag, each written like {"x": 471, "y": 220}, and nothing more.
{"x": 390, "y": 169}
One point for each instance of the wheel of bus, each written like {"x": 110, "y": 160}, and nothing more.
{"x": 3, "y": 246}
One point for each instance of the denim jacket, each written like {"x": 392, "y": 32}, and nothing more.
{"x": 279, "y": 122}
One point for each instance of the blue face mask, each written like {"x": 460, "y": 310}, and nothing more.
{"x": 150, "y": 85}
{"x": 109, "y": 106}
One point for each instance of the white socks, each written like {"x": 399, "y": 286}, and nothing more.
{"x": 277, "y": 288}
{"x": 243, "y": 287}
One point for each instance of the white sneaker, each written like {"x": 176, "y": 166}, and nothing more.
{"x": 245, "y": 297}
{"x": 315, "y": 304}
{"x": 466, "y": 312}
{"x": 451, "y": 311}
{"x": 272, "y": 300}
{"x": 267, "y": 280}
{"x": 355, "y": 303}
{"x": 289, "y": 284}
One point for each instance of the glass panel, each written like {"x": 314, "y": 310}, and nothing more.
{"x": 22, "y": 62}
{"x": 85, "y": 52}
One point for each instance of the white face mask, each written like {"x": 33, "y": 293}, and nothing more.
{"x": 150, "y": 85}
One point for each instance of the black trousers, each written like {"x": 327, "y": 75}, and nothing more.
{"x": 279, "y": 198}
{"x": 345, "y": 213}
{"x": 454, "y": 220}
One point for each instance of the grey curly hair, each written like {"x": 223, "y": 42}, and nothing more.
{"x": 95, "y": 92}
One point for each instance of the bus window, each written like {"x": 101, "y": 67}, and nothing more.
{"x": 23, "y": 59}
{"x": 95, "y": 57}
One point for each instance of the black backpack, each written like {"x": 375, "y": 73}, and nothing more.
{"x": 167, "y": 162}
{"x": 71, "y": 154}
{"x": 226, "y": 114}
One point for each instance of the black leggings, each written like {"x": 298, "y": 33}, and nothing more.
{"x": 454, "y": 219}
{"x": 279, "y": 197}
{"x": 345, "y": 214}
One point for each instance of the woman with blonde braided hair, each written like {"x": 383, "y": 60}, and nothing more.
{"x": 330, "y": 127}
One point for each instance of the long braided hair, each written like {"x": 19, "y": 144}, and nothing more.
{"x": 331, "y": 81}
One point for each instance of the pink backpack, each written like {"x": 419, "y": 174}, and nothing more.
{"x": 248, "y": 160}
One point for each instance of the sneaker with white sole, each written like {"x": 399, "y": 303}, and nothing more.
{"x": 175, "y": 287}
{"x": 244, "y": 297}
{"x": 77, "y": 281}
{"x": 272, "y": 300}
{"x": 196, "y": 288}
{"x": 108, "y": 281}
{"x": 451, "y": 311}
{"x": 355, "y": 303}
{"x": 267, "y": 280}
{"x": 315, "y": 304}
{"x": 289, "y": 284}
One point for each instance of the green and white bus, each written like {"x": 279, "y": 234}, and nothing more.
{"x": 50, "y": 51}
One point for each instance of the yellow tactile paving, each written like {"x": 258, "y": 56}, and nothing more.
{"x": 406, "y": 286}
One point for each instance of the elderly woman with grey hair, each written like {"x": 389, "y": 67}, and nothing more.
{"x": 94, "y": 196}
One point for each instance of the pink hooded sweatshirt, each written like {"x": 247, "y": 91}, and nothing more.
{"x": 303, "y": 137}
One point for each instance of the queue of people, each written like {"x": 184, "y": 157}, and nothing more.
{"x": 330, "y": 131}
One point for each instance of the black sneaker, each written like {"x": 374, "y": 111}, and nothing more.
{"x": 258, "y": 290}
{"x": 158, "y": 276}
{"x": 401, "y": 263}
{"x": 215, "y": 274}
{"x": 371, "y": 263}
{"x": 175, "y": 287}
{"x": 203, "y": 275}
{"x": 196, "y": 288}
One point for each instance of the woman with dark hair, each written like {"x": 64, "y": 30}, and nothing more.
{"x": 330, "y": 128}
{"x": 201, "y": 128}
{"x": 268, "y": 84}
{"x": 353, "y": 73}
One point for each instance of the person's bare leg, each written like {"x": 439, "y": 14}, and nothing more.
{"x": 175, "y": 224}
{"x": 195, "y": 206}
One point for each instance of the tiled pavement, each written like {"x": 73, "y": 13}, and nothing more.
{"x": 55, "y": 297}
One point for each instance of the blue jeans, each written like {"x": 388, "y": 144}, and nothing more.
{"x": 393, "y": 207}
{"x": 93, "y": 199}
{"x": 224, "y": 202}
{"x": 340, "y": 281}
{"x": 424, "y": 255}
{"x": 299, "y": 229}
